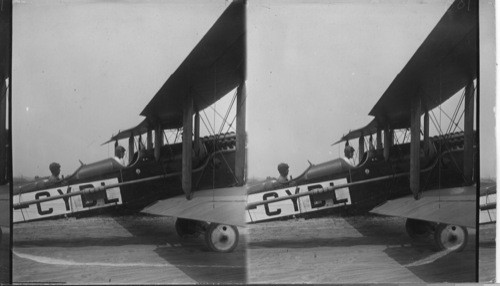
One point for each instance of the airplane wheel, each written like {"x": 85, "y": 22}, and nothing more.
{"x": 451, "y": 237}
{"x": 418, "y": 229}
{"x": 186, "y": 228}
{"x": 222, "y": 237}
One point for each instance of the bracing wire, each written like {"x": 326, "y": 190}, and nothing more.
{"x": 227, "y": 113}
{"x": 205, "y": 124}
{"x": 177, "y": 135}
{"x": 208, "y": 120}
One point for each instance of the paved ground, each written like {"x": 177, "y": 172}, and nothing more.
{"x": 145, "y": 249}
{"x": 350, "y": 250}
{"x": 487, "y": 250}
{"x": 125, "y": 249}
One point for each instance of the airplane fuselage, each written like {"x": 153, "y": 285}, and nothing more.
{"x": 360, "y": 188}
{"x": 132, "y": 188}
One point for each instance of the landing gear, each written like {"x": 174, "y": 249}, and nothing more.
{"x": 418, "y": 229}
{"x": 218, "y": 237}
{"x": 445, "y": 236}
{"x": 221, "y": 237}
{"x": 451, "y": 237}
{"x": 188, "y": 228}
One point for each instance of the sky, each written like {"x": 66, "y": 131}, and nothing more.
{"x": 82, "y": 70}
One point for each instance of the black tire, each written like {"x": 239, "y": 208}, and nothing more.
{"x": 186, "y": 228}
{"x": 451, "y": 237}
{"x": 221, "y": 237}
{"x": 418, "y": 229}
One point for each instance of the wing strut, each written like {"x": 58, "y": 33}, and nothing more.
{"x": 240, "y": 134}
{"x": 379, "y": 138}
{"x": 388, "y": 139}
{"x": 149, "y": 139}
{"x": 197, "y": 143}
{"x": 426, "y": 133}
{"x": 158, "y": 141}
{"x": 187, "y": 143}
{"x": 415, "y": 111}
{"x": 361, "y": 148}
{"x": 469, "y": 133}
{"x": 131, "y": 147}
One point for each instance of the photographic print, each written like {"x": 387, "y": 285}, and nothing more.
{"x": 248, "y": 142}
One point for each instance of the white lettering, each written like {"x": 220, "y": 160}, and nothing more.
{"x": 296, "y": 206}
{"x": 67, "y": 205}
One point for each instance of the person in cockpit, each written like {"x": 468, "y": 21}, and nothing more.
{"x": 119, "y": 153}
{"x": 55, "y": 169}
{"x": 283, "y": 170}
{"x": 349, "y": 154}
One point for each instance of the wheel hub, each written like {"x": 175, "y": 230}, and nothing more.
{"x": 223, "y": 237}
{"x": 452, "y": 237}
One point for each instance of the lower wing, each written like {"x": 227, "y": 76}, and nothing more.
{"x": 224, "y": 206}
{"x": 455, "y": 206}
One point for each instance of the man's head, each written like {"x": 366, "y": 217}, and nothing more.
{"x": 119, "y": 151}
{"x": 348, "y": 151}
{"x": 283, "y": 169}
{"x": 55, "y": 168}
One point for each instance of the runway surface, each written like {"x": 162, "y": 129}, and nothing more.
{"x": 350, "y": 250}
{"x": 144, "y": 249}
{"x": 487, "y": 249}
{"x": 135, "y": 249}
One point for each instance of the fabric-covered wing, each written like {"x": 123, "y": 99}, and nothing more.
{"x": 125, "y": 134}
{"x": 444, "y": 63}
{"x": 213, "y": 68}
{"x": 224, "y": 205}
{"x": 451, "y": 206}
{"x": 369, "y": 129}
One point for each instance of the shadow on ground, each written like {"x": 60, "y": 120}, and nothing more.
{"x": 191, "y": 255}
{"x": 420, "y": 257}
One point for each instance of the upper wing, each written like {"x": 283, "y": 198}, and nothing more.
{"x": 450, "y": 206}
{"x": 444, "y": 63}
{"x": 213, "y": 68}
{"x": 369, "y": 129}
{"x": 125, "y": 134}
{"x": 225, "y": 206}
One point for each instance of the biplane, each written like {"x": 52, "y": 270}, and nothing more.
{"x": 197, "y": 179}
{"x": 430, "y": 180}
